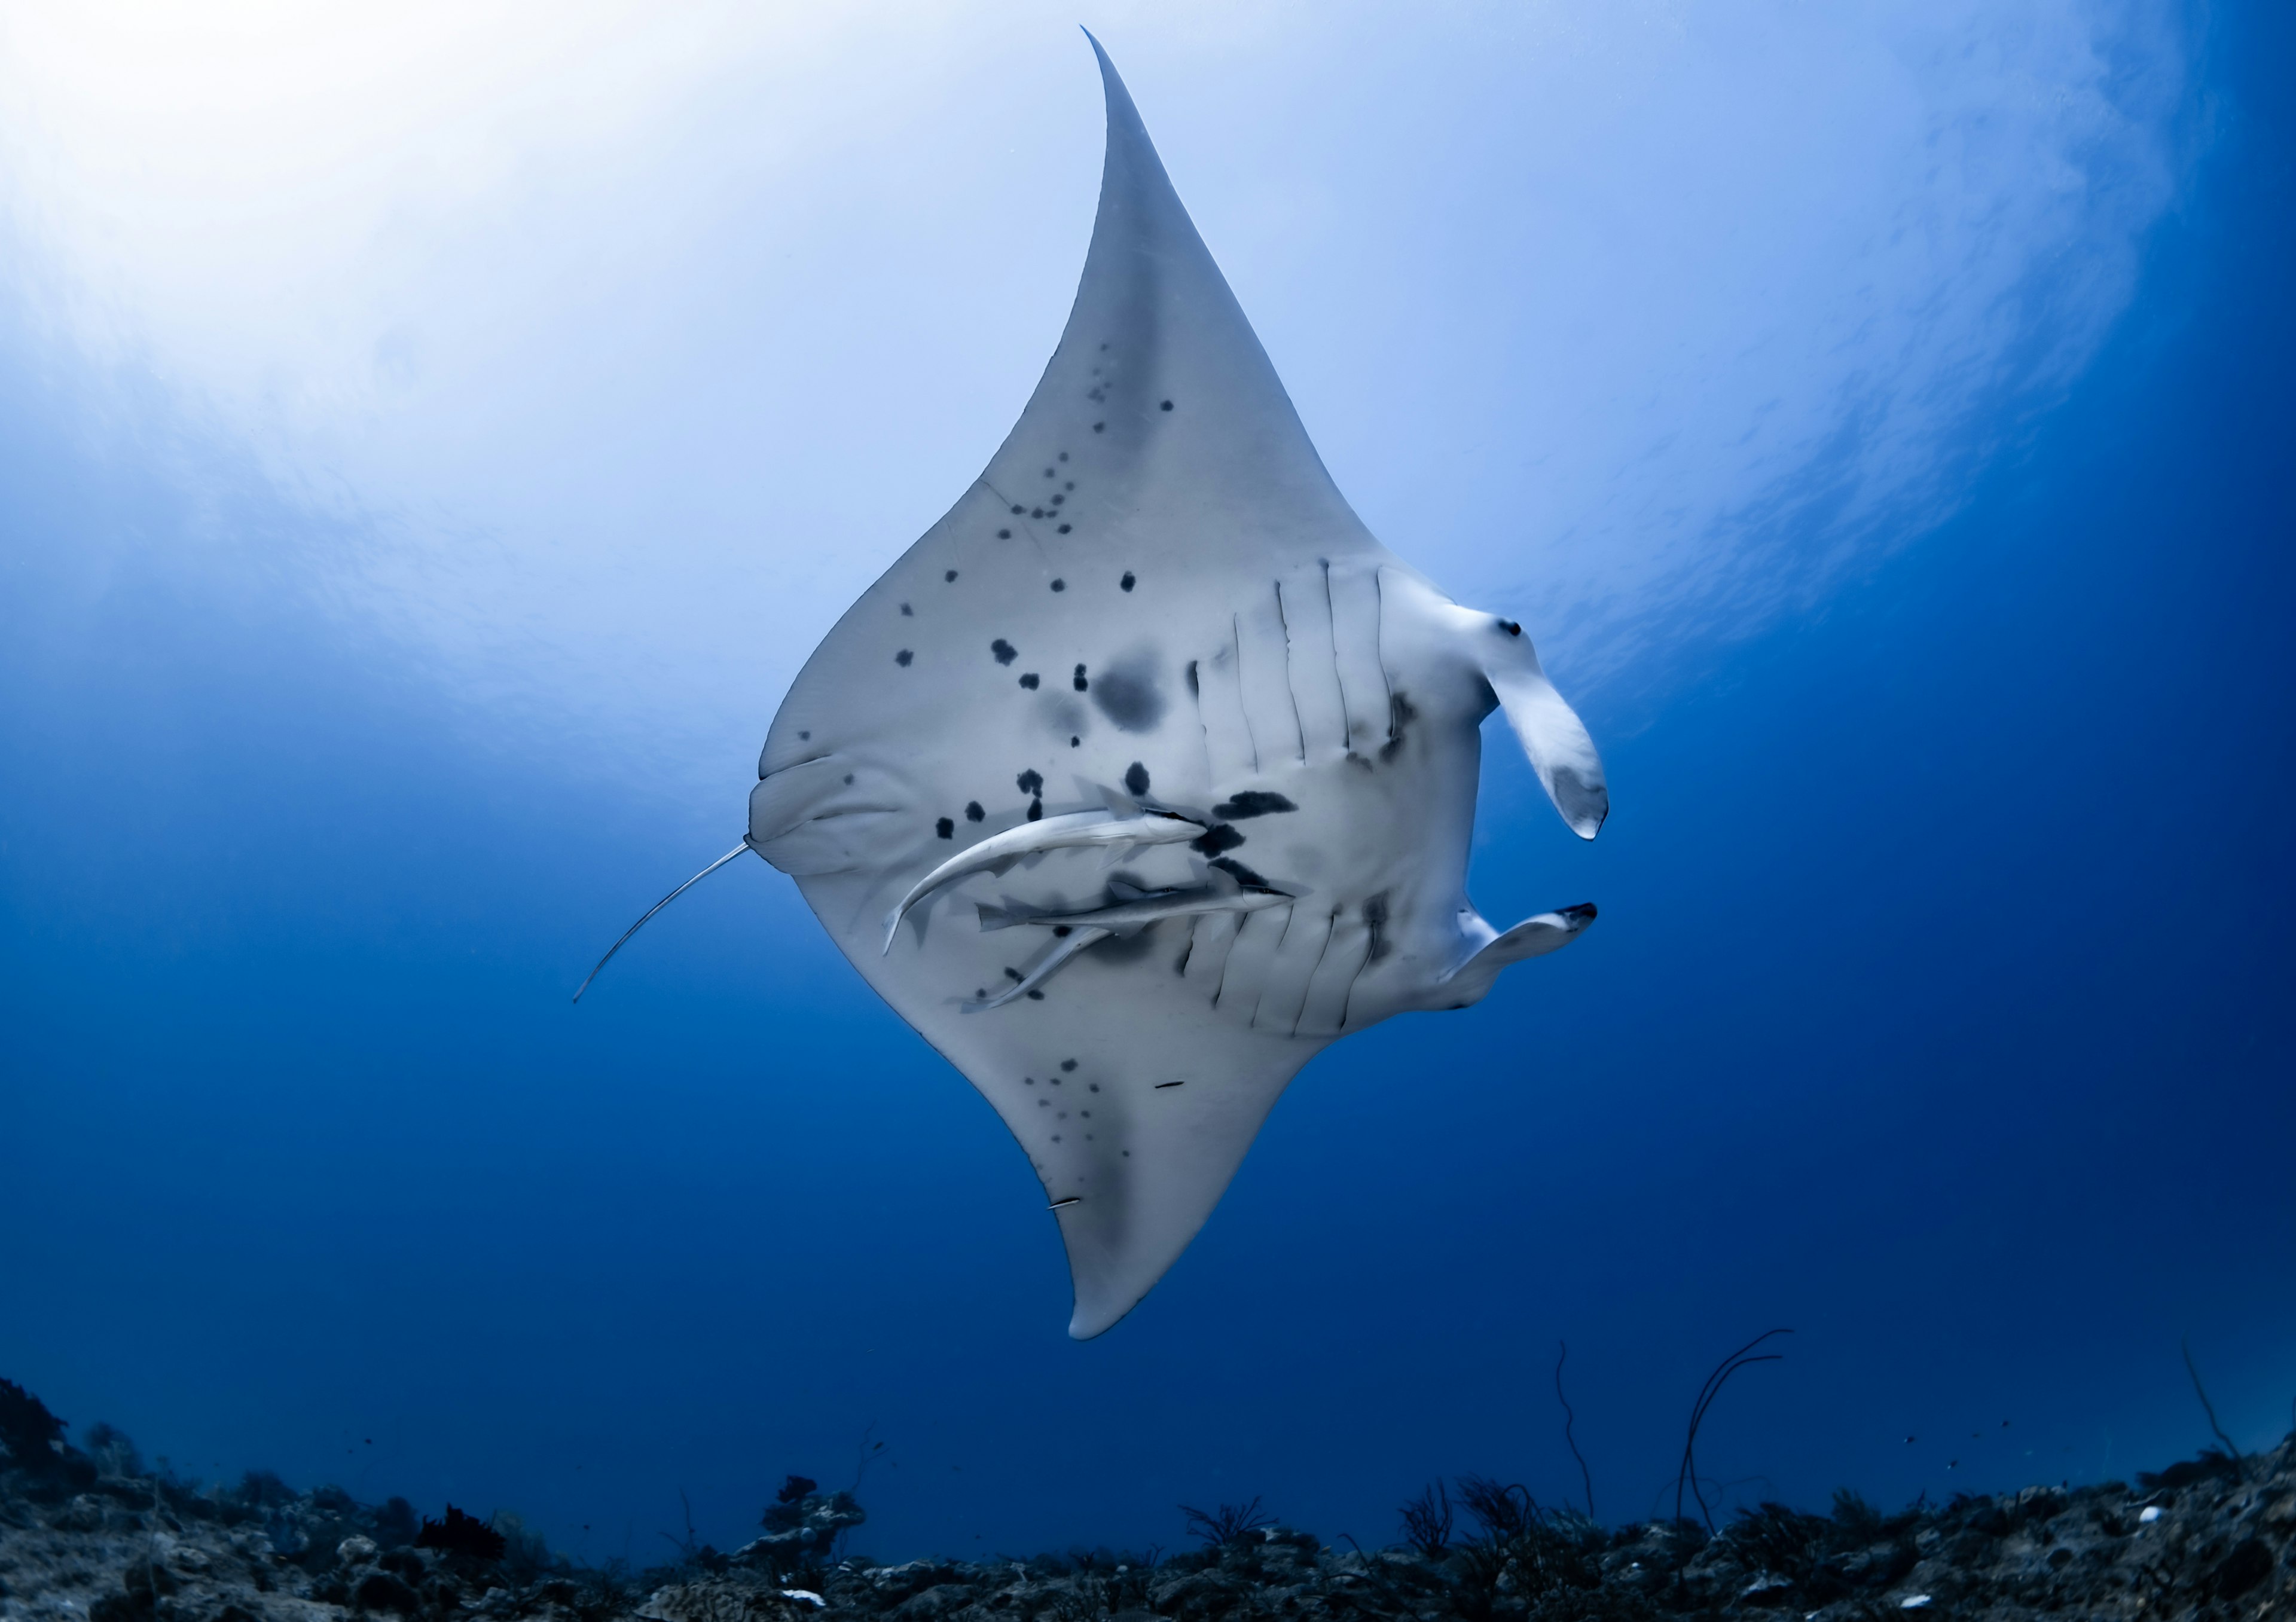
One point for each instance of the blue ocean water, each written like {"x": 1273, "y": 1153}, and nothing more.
{"x": 1935, "y": 1012}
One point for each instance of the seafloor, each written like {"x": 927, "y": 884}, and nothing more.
{"x": 91, "y": 1535}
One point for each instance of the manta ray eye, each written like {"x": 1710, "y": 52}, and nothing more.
{"x": 1510, "y": 628}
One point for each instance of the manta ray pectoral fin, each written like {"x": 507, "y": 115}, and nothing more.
{"x": 1473, "y": 980}
{"x": 1556, "y": 739}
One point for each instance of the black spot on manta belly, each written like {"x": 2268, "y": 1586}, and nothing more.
{"x": 1036, "y": 809}
{"x": 1135, "y": 779}
{"x": 1081, "y": 684}
{"x": 1216, "y": 838}
{"x": 1005, "y": 651}
{"x": 903, "y": 658}
{"x": 1097, "y": 427}
{"x": 951, "y": 575}
{"x": 946, "y": 828}
{"x": 1166, "y": 405}
{"x": 1059, "y": 586}
{"x": 1066, "y": 527}
{"x": 1069, "y": 1064}
{"x": 1128, "y": 693}
{"x": 1030, "y": 783}
{"x": 1129, "y": 580}
{"x": 1252, "y": 802}
{"x": 1003, "y": 535}
{"x": 907, "y": 610}
{"x": 1029, "y": 681}
{"x": 973, "y": 811}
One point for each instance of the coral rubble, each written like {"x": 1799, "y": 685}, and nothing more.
{"x": 84, "y": 1540}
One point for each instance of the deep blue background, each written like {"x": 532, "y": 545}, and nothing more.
{"x": 1938, "y": 1011}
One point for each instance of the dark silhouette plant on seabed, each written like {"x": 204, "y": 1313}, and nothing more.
{"x": 1707, "y": 1393}
{"x": 1225, "y": 1524}
{"x": 1427, "y": 1521}
{"x": 2208, "y": 1532}
{"x": 1562, "y": 1351}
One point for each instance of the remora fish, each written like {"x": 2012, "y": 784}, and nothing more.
{"x": 1134, "y": 910}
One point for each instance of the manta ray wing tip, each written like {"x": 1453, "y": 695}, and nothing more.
{"x": 1090, "y": 1325}
{"x": 1584, "y": 805}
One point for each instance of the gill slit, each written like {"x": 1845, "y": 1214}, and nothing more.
{"x": 1379, "y": 641}
{"x": 1290, "y": 688}
{"x": 1235, "y": 636}
{"x": 1332, "y": 613}
{"x": 1331, "y": 929}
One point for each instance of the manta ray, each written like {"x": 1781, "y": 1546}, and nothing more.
{"x": 1148, "y": 773}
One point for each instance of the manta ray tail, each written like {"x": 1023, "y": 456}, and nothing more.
{"x": 656, "y": 907}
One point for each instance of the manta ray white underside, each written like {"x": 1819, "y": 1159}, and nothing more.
{"x": 1148, "y": 773}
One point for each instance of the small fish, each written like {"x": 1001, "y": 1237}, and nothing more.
{"x": 1136, "y": 909}
{"x": 1133, "y": 911}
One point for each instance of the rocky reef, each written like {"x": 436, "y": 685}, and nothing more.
{"x": 89, "y": 1535}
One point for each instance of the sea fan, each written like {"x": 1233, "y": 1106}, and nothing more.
{"x": 28, "y": 1429}
{"x": 460, "y": 1534}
